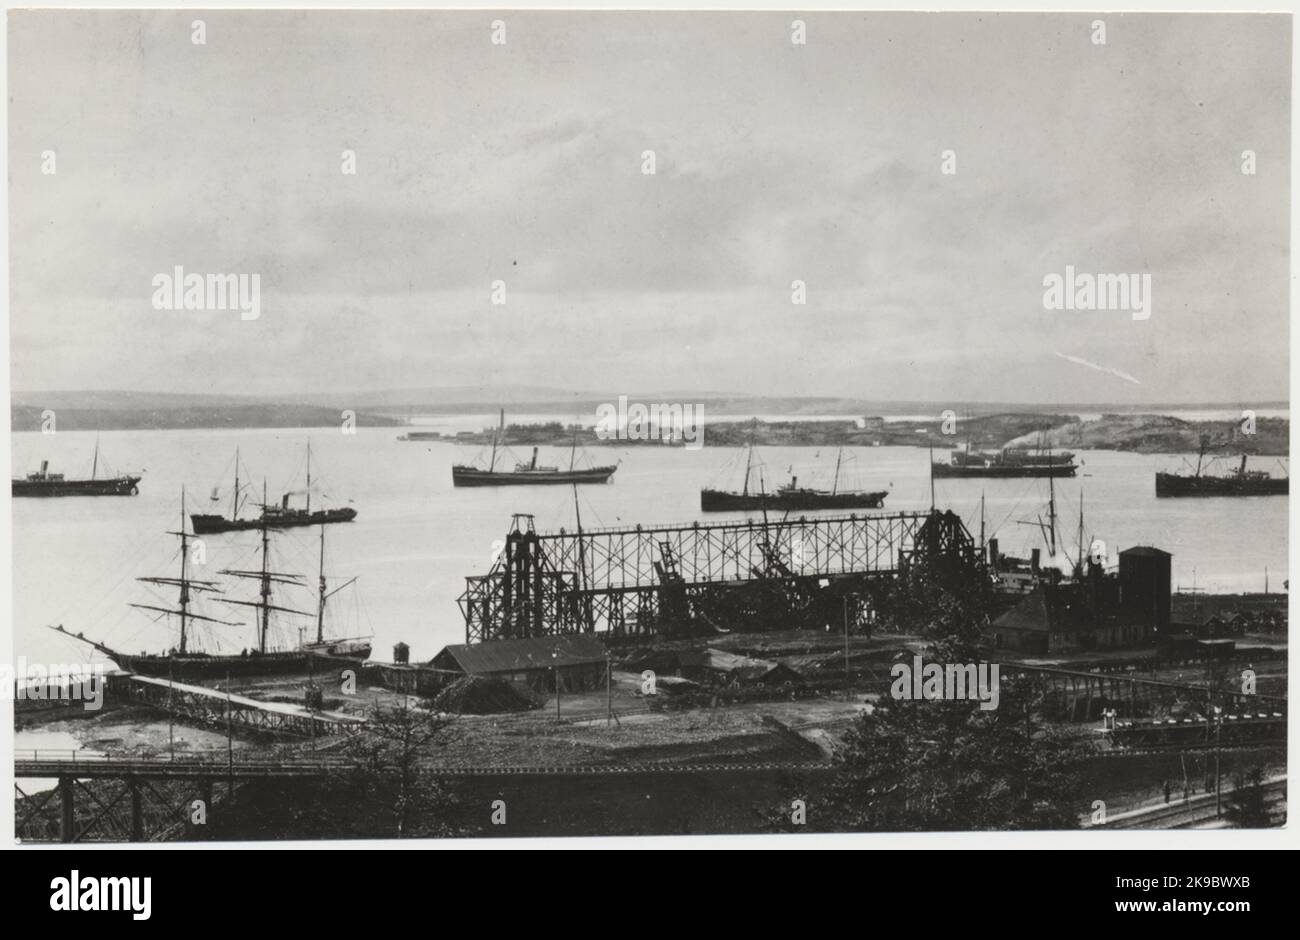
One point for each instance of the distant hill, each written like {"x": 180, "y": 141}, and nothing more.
{"x": 124, "y": 411}
{"x": 121, "y": 410}
{"x": 1162, "y": 434}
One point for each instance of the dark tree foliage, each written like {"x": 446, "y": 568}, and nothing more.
{"x": 948, "y": 765}
{"x": 392, "y": 777}
{"x": 388, "y": 792}
{"x": 1248, "y": 804}
{"x": 947, "y": 601}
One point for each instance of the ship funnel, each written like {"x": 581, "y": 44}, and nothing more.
{"x": 45, "y": 465}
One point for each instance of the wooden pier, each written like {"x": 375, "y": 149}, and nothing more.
{"x": 221, "y": 709}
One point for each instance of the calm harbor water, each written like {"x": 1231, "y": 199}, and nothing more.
{"x": 416, "y": 538}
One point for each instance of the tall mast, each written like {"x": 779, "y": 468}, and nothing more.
{"x": 749, "y": 458}
{"x": 185, "y": 584}
{"x": 501, "y": 426}
{"x": 185, "y": 587}
{"x": 931, "y": 476}
{"x": 1051, "y": 512}
{"x": 266, "y": 579}
{"x": 835, "y": 484}
{"x": 234, "y": 499}
{"x": 266, "y": 576}
{"x": 983, "y": 551}
{"x": 582, "y": 564}
{"x": 573, "y": 450}
{"x": 309, "y": 475}
{"x": 1079, "y": 563}
{"x": 320, "y": 604}
{"x": 94, "y": 466}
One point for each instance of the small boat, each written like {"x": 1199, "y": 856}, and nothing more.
{"x": 790, "y": 496}
{"x": 184, "y": 662}
{"x": 275, "y": 516}
{"x": 527, "y": 474}
{"x": 44, "y": 483}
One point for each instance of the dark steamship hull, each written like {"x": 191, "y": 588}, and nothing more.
{"x": 208, "y": 524}
{"x": 472, "y": 476}
{"x": 1003, "y": 471}
{"x": 721, "y": 501}
{"x": 1171, "y": 484}
{"x": 120, "y": 486}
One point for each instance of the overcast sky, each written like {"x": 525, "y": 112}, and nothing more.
{"x": 775, "y": 162}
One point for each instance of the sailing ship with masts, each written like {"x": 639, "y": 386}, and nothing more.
{"x": 789, "y": 496}
{"x": 275, "y": 515}
{"x": 529, "y": 473}
{"x": 44, "y": 483}
{"x": 184, "y": 661}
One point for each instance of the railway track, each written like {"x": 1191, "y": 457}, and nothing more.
{"x": 1192, "y": 812}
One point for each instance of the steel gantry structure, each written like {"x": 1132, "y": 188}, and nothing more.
{"x": 752, "y": 574}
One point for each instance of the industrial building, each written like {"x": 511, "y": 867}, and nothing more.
{"x": 578, "y": 659}
{"x": 1098, "y": 611}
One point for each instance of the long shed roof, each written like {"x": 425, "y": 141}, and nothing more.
{"x": 524, "y": 655}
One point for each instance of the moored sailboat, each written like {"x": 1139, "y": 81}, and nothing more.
{"x": 183, "y": 661}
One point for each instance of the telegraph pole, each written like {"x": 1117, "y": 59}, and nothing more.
{"x": 1218, "y": 784}
{"x": 230, "y": 739}
{"x": 555, "y": 658}
{"x": 609, "y": 688}
{"x": 847, "y": 694}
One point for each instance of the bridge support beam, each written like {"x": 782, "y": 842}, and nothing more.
{"x": 68, "y": 817}
{"x": 137, "y": 813}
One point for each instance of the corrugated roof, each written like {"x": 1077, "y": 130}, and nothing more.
{"x": 524, "y": 655}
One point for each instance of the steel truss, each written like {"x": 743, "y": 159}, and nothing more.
{"x": 640, "y": 580}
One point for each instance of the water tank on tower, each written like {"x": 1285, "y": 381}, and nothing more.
{"x": 1144, "y": 584}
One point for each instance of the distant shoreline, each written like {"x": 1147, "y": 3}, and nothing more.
{"x": 1143, "y": 433}
{"x": 1140, "y": 432}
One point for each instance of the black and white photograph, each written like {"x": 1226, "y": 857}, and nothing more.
{"x": 553, "y": 425}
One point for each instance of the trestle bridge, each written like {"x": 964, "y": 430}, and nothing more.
{"x": 701, "y": 576}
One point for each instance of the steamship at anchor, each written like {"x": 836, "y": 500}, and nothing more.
{"x": 185, "y": 662}
{"x": 1010, "y": 462}
{"x": 527, "y": 474}
{"x": 44, "y": 483}
{"x": 790, "y": 496}
{"x": 1238, "y": 482}
{"x": 276, "y": 516}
